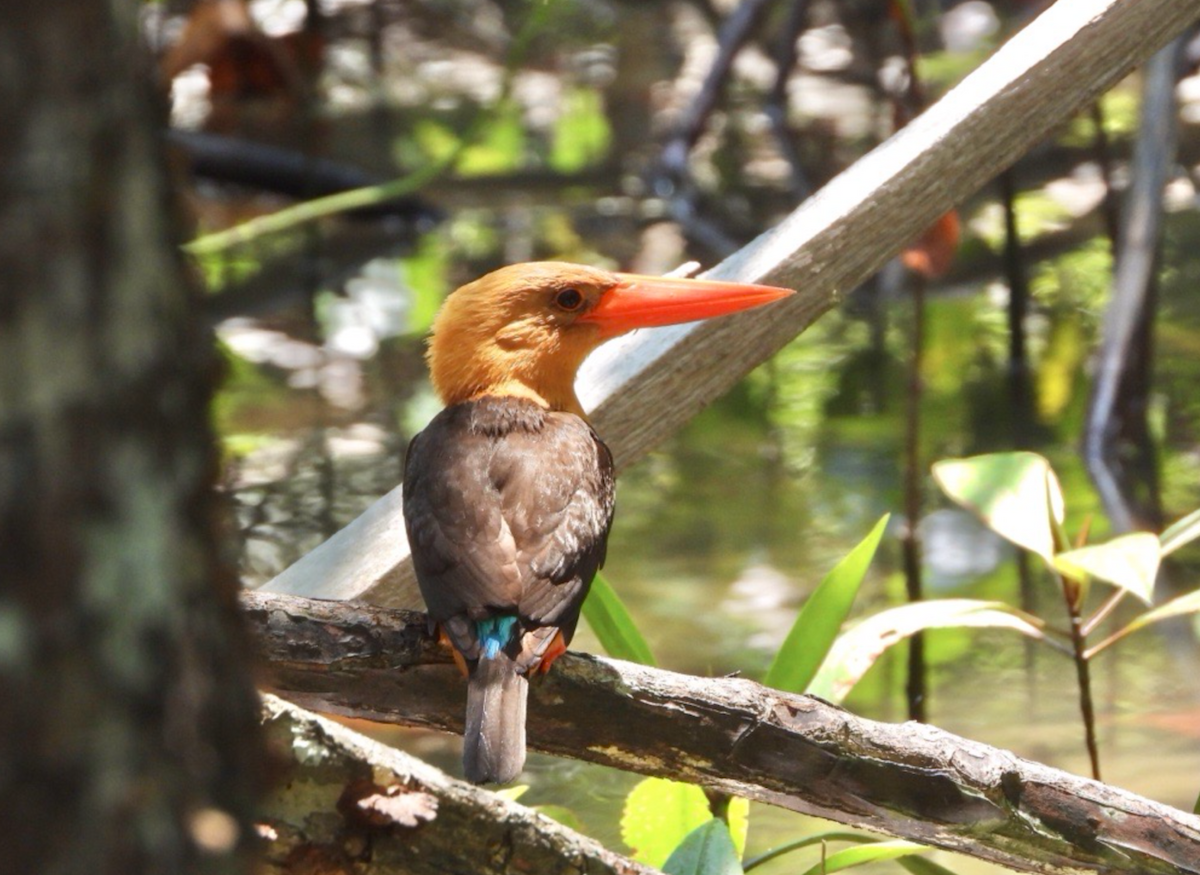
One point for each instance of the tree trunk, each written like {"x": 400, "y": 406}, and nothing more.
{"x": 128, "y": 723}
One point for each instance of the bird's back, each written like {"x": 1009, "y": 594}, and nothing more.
{"x": 508, "y": 508}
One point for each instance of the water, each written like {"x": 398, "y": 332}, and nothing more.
{"x": 722, "y": 533}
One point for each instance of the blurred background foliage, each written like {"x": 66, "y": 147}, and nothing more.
{"x": 525, "y": 130}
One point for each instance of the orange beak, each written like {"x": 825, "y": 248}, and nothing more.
{"x": 647, "y": 301}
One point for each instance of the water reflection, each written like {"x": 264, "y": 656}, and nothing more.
{"x": 723, "y": 532}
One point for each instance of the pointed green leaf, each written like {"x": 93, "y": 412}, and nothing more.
{"x": 561, "y": 814}
{"x": 807, "y": 841}
{"x": 707, "y": 850}
{"x": 1129, "y": 562}
{"x": 860, "y": 855}
{"x": 1177, "y": 607}
{"x": 858, "y": 648}
{"x": 658, "y": 815}
{"x": 608, "y": 617}
{"x": 1015, "y": 494}
{"x": 921, "y": 866}
{"x": 821, "y": 618}
{"x": 1182, "y": 532}
{"x": 513, "y": 793}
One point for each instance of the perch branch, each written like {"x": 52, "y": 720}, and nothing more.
{"x": 350, "y": 804}
{"x": 909, "y": 780}
{"x": 644, "y": 387}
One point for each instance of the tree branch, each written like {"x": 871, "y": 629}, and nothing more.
{"x": 362, "y": 801}
{"x": 644, "y": 387}
{"x": 800, "y": 753}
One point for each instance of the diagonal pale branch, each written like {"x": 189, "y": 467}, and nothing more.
{"x": 908, "y": 780}
{"x": 351, "y": 804}
{"x": 643, "y": 388}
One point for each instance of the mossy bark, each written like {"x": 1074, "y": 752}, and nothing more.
{"x": 128, "y": 719}
{"x": 909, "y": 780}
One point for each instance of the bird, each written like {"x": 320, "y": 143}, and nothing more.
{"x": 509, "y": 491}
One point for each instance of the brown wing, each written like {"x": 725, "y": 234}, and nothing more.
{"x": 508, "y": 509}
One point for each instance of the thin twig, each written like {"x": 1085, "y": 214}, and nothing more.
{"x": 914, "y": 687}
{"x": 733, "y": 34}
{"x": 1072, "y": 593}
{"x": 784, "y": 54}
{"x": 1110, "y": 604}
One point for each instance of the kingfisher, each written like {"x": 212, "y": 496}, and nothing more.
{"x": 508, "y": 492}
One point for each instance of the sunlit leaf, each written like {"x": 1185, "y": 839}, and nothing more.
{"x": 1182, "y": 532}
{"x": 435, "y": 140}
{"x": 608, "y": 617}
{"x": 707, "y": 850}
{"x": 424, "y": 273}
{"x": 861, "y": 855}
{"x": 513, "y": 793}
{"x": 1128, "y": 561}
{"x": 582, "y": 134}
{"x": 1015, "y": 494}
{"x": 858, "y": 648}
{"x": 500, "y": 147}
{"x": 658, "y": 815}
{"x": 821, "y": 618}
{"x": 1059, "y": 366}
{"x": 739, "y": 823}
{"x": 1177, "y": 607}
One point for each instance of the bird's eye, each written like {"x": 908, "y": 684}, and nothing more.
{"x": 569, "y": 299}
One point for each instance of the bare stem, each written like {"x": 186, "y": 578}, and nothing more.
{"x": 1071, "y": 594}
{"x": 915, "y": 685}
{"x": 1102, "y": 613}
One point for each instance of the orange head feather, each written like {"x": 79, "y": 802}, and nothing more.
{"x": 525, "y": 329}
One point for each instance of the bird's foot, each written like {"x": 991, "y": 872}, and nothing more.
{"x": 556, "y": 649}
{"x": 444, "y": 640}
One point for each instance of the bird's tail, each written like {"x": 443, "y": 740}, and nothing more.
{"x": 494, "y": 739}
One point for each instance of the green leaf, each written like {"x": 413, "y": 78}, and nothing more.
{"x": 582, "y": 134}
{"x": 807, "y": 841}
{"x": 921, "y": 866}
{"x": 858, "y": 648}
{"x": 1129, "y": 562}
{"x": 707, "y": 850}
{"x": 500, "y": 147}
{"x": 1181, "y": 532}
{"x": 424, "y": 271}
{"x": 860, "y": 855}
{"x": 658, "y": 815}
{"x": 513, "y": 793}
{"x": 821, "y": 618}
{"x": 1015, "y": 494}
{"x": 1176, "y": 607}
{"x": 561, "y": 814}
{"x": 610, "y": 620}
{"x": 739, "y": 823}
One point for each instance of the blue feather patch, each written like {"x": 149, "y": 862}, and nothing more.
{"x": 493, "y": 634}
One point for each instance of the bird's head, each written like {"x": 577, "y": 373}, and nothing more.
{"x": 525, "y": 329}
